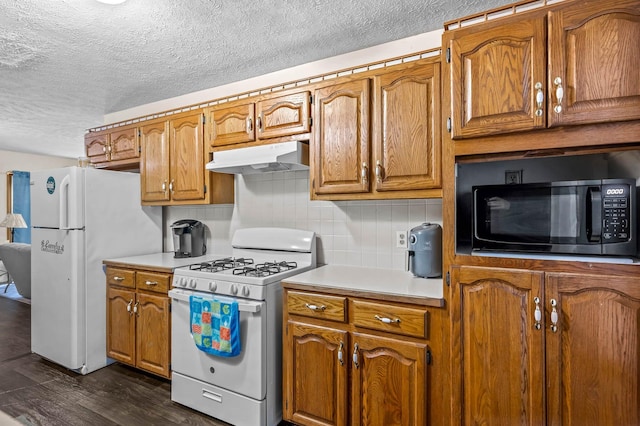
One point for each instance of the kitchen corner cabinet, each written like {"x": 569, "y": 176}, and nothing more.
{"x": 267, "y": 117}
{"x": 534, "y": 348}
{"x": 139, "y": 319}
{"x": 113, "y": 149}
{"x": 172, "y": 166}
{"x": 576, "y": 63}
{"x": 351, "y": 361}
{"x": 379, "y": 137}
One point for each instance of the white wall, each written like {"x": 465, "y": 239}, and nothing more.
{"x": 357, "y": 233}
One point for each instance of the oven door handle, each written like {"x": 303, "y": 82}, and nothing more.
{"x": 183, "y": 295}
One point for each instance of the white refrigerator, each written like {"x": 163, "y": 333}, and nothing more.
{"x": 79, "y": 217}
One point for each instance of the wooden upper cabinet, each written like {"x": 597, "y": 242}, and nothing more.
{"x": 576, "y": 64}
{"x": 594, "y": 55}
{"x": 593, "y": 357}
{"x": 341, "y": 154}
{"x": 406, "y": 128}
{"x": 96, "y": 147}
{"x": 124, "y": 144}
{"x": 118, "y": 149}
{"x": 494, "y": 75}
{"x": 154, "y": 162}
{"x": 231, "y": 125}
{"x": 266, "y": 118}
{"x": 283, "y": 115}
{"x": 186, "y": 158}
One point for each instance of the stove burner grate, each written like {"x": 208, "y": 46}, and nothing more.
{"x": 265, "y": 269}
{"x": 221, "y": 264}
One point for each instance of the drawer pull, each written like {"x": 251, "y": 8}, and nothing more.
{"x": 151, "y": 282}
{"x": 387, "y": 320}
{"x": 116, "y": 278}
{"x": 316, "y": 308}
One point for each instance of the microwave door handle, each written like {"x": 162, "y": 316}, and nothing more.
{"x": 595, "y": 206}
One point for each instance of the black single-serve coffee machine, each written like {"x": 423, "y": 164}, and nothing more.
{"x": 188, "y": 238}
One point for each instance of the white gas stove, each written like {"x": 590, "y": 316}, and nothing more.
{"x": 245, "y": 389}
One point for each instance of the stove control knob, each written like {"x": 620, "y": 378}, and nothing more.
{"x": 234, "y": 288}
{"x": 245, "y": 291}
{"x": 192, "y": 283}
{"x": 183, "y": 282}
{"x": 213, "y": 286}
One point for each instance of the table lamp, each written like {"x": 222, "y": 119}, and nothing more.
{"x": 13, "y": 220}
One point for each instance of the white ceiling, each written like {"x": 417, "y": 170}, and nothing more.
{"x": 65, "y": 64}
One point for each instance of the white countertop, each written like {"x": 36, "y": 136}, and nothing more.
{"x": 377, "y": 281}
{"x": 162, "y": 260}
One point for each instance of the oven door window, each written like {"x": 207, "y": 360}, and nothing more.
{"x": 534, "y": 215}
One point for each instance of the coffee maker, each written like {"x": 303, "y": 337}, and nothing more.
{"x": 425, "y": 251}
{"x": 188, "y": 238}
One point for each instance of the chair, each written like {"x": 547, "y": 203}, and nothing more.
{"x": 16, "y": 258}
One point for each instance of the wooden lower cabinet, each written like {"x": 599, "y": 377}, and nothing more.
{"x": 534, "y": 348}
{"x": 338, "y": 373}
{"x": 139, "y": 319}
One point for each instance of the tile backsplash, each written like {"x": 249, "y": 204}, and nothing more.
{"x": 356, "y": 233}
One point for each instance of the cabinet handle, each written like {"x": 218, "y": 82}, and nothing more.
{"x": 164, "y": 186}
{"x": 379, "y": 171}
{"x": 249, "y": 125}
{"x": 387, "y": 320}
{"x": 355, "y": 356}
{"x": 129, "y": 307}
{"x": 340, "y": 353}
{"x": 539, "y": 99}
{"x": 364, "y": 173}
{"x": 316, "y": 308}
{"x": 151, "y": 282}
{"x": 259, "y": 123}
{"x": 116, "y": 278}
{"x": 171, "y": 186}
{"x": 135, "y": 308}
{"x": 559, "y": 94}
{"x": 554, "y": 316}
{"x": 537, "y": 315}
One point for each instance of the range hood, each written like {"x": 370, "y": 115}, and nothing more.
{"x": 275, "y": 157}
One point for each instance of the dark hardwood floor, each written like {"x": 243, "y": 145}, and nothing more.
{"x": 37, "y": 392}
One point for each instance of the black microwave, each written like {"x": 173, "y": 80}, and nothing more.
{"x": 590, "y": 217}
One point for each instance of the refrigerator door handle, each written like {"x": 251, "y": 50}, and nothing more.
{"x": 64, "y": 203}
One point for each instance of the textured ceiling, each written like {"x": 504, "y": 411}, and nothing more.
{"x": 64, "y": 64}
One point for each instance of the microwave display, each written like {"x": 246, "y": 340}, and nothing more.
{"x": 581, "y": 217}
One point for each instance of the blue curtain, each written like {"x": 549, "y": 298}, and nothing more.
{"x": 22, "y": 204}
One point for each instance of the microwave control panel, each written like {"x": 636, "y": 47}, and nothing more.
{"x": 615, "y": 213}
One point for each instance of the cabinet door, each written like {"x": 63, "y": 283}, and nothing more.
{"x": 341, "y": 138}
{"x": 497, "y": 350}
{"x": 315, "y": 378}
{"x": 593, "y": 357}
{"x": 406, "y": 135}
{"x": 154, "y": 162}
{"x": 593, "y": 52}
{"x": 389, "y": 382}
{"x": 153, "y": 333}
{"x": 96, "y": 147}
{"x": 121, "y": 330}
{"x": 494, "y": 73}
{"x": 187, "y": 158}
{"x": 124, "y": 145}
{"x": 232, "y": 125}
{"x": 283, "y": 115}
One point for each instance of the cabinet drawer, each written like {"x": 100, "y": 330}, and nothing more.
{"x": 150, "y": 281}
{"x": 395, "y": 319}
{"x": 121, "y": 277}
{"x": 317, "y": 306}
